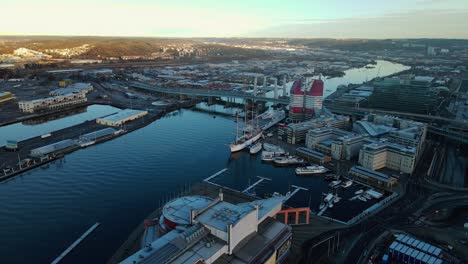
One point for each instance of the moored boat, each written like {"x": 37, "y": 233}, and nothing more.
{"x": 289, "y": 160}
{"x": 255, "y": 148}
{"x": 315, "y": 169}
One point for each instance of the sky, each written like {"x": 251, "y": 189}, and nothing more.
{"x": 237, "y": 18}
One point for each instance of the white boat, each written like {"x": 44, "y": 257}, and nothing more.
{"x": 330, "y": 205}
{"x": 322, "y": 205}
{"x": 359, "y": 191}
{"x": 374, "y": 194}
{"x": 315, "y": 169}
{"x": 328, "y": 197}
{"x": 246, "y": 140}
{"x": 367, "y": 196}
{"x": 346, "y": 184}
{"x": 335, "y": 183}
{"x": 275, "y": 116}
{"x": 289, "y": 160}
{"x": 362, "y": 198}
{"x": 269, "y": 134}
{"x": 249, "y": 136}
{"x": 255, "y": 148}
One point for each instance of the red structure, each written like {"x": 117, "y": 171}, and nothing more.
{"x": 296, "y": 212}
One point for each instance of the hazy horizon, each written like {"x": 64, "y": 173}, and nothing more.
{"x": 335, "y": 19}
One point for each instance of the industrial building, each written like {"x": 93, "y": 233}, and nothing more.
{"x": 98, "y": 134}
{"x": 296, "y": 132}
{"x": 72, "y": 89}
{"x": 45, "y": 150}
{"x": 384, "y": 154}
{"x": 338, "y": 143}
{"x": 50, "y": 103}
{"x": 305, "y": 100}
{"x": 203, "y": 230}
{"x": 121, "y": 117}
{"x": 372, "y": 176}
{"x": 6, "y": 96}
{"x": 413, "y": 96}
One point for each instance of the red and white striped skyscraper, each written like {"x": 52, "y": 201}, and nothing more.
{"x": 313, "y": 99}
{"x": 305, "y": 100}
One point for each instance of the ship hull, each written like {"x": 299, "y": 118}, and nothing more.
{"x": 241, "y": 146}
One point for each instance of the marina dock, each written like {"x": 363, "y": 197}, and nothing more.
{"x": 255, "y": 184}
{"x": 72, "y": 246}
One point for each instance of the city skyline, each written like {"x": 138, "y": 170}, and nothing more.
{"x": 207, "y": 18}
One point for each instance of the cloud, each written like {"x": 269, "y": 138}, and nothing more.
{"x": 446, "y": 23}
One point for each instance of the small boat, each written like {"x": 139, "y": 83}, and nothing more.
{"x": 367, "y": 196}
{"x": 269, "y": 134}
{"x": 336, "y": 183}
{"x": 346, "y": 184}
{"x": 328, "y": 198}
{"x": 359, "y": 191}
{"x": 330, "y": 205}
{"x": 255, "y": 148}
{"x": 362, "y": 198}
{"x": 315, "y": 169}
{"x": 289, "y": 160}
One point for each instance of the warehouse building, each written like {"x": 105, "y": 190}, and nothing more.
{"x": 51, "y": 103}
{"x": 45, "y": 150}
{"x": 98, "y": 134}
{"x": 121, "y": 117}
{"x": 372, "y": 176}
{"x": 73, "y": 89}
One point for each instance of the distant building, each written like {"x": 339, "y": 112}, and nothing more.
{"x": 50, "y": 103}
{"x": 204, "y": 230}
{"x": 121, "y": 117}
{"x": 72, "y": 88}
{"x": 6, "y": 96}
{"x": 296, "y": 132}
{"x": 414, "y": 96}
{"x": 431, "y": 51}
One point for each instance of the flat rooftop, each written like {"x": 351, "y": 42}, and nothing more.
{"x": 122, "y": 115}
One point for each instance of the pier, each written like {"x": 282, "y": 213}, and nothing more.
{"x": 72, "y": 246}
{"x": 256, "y": 183}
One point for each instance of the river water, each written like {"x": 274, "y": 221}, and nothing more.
{"x": 119, "y": 182}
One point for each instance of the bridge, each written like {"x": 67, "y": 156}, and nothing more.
{"x": 207, "y": 93}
